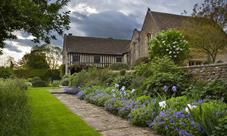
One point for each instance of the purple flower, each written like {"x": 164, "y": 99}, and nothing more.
{"x": 165, "y": 88}
{"x": 162, "y": 114}
{"x": 174, "y": 88}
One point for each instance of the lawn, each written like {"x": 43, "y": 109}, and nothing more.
{"x": 51, "y": 118}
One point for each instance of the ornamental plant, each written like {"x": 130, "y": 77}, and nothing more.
{"x": 173, "y": 123}
{"x": 170, "y": 43}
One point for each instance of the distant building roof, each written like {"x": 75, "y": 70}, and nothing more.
{"x": 166, "y": 20}
{"x": 93, "y": 45}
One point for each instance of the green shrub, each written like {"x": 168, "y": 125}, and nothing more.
{"x": 118, "y": 66}
{"x": 170, "y": 43}
{"x": 221, "y": 129}
{"x": 65, "y": 82}
{"x": 38, "y": 82}
{"x": 208, "y": 115}
{"x": 146, "y": 109}
{"x": 176, "y": 123}
{"x": 163, "y": 77}
{"x": 124, "y": 81}
{"x": 123, "y": 72}
{"x": 142, "y": 60}
{"x": 178, "y": 103}
{"x": 113, "y": 105}
{"x": 15, "y": 111}
{"x": 5, "y": 72}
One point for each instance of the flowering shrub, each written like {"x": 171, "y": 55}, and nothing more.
{"x": 71, "y": 90}
{"x": 126, "y": 107}
{"x": 98, "y": 97}
{"x": 176, "y": 123}
{"x": 170, "y": 43}
{"x": 124, "y": 81}
{"x": 80, "y": 95}
{"x": 208, "y": 114}
{"x": 112, "y": 105}
{"x": 143, "y": 112}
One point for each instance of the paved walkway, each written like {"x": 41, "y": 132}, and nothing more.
{"x": 104, "y": 122}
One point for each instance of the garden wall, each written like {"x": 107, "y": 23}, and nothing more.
{"x": 208, "y": 72}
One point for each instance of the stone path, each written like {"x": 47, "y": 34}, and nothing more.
{"x": 104, "y": 122}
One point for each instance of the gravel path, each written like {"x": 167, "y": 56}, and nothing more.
{"x": 104, "y": 122}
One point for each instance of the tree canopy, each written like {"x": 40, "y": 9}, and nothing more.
{"x": 206, "y": 36}
{"x": 212, "y": 9}
{"x": 41, "y": 18}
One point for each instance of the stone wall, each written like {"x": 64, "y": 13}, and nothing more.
{"x": 208, "y": 72}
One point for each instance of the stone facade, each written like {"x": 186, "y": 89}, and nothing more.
{"x": 208, "y": 72}
{"x": 155, "y": 22}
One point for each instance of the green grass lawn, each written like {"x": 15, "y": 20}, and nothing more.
{"x": 51, "y": 118}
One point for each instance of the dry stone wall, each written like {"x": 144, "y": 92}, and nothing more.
{"x": 208, "y": 72}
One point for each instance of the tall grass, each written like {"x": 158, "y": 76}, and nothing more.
{"x": 14, "y": 109}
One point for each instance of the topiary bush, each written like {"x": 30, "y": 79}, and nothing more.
{"x": 38, "y": 82}
{"x": 170, "y": 43}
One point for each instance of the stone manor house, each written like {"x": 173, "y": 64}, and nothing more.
{"x": 102, "y": 52}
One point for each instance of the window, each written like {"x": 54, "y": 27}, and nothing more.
{"x": 195, "y": 62}
{"x": 97, "y": 59}
{"x": 119, "y": 59}
{"x": 76, "y": 58}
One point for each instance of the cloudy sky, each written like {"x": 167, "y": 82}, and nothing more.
{"x": 103, "y": 18}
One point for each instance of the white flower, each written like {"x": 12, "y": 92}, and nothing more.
{"x": 170, "y": 52}
{"x": 174, "y": 46}
{"x": 133, "y": 90}
{"x": 116, "y": 85}
{"x": 113, "y": 90}
{"x": 162, "y": 104}
{"x": 122, "y": 88}
{"x": 190, "y": 107}
{"x": 114, "y": 95}
{"x": 175, "y": 56}
{"x": 167, "y": 49}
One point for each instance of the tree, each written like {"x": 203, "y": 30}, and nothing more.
{"x": 40, "y": 18}
{"x": 53, "y": 54}
{"x": 170, "y": 43}
{"x": 206, "y": 36}
{"x": 212, "y": 9}
{"x": 35, "y": 61}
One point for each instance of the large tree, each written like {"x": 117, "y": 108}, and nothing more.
{"x": 206, "y": 36}
{"x": 40, "y": 18}
{"x": 212, "y": 9}
{"x": 53, "y": 54}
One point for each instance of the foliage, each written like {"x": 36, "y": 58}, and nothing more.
{"x": 163, "y": 77}
{"x": 177, "y": 103}
{"x": 27, "y": 73}
{"x": 118, "y": 66}
{"x": 40, "y": 18}
{"x": 144, "y": 111}
{"x": 89, "y": 77}
{"x": 15, "y": 111}
{"x": 123, "y": 72}
{"x": 208, "y": 115}
{"x": 62, "y": 70}
{"x": 98, "y": 98}
{"x": 205, "y": 36}
{"x": 38, "y": 82}
{"x": 34, "y": 60}
{"x": 212, "y": 9}
{"x": 126, "y": 108}
{"x": 52, "y": 53}
{"x": 214, "y": 89}
{"x": 170, "y": 43}
{"x": 221, "y": 129}
{"x": 176, "y": 123}
{"x": 142, "y": 60}
{"x": 124, "y": 81}
{"x": 5, "y": 72}
{"x": 112, "y": 105}
{"x": 65, "y": 82}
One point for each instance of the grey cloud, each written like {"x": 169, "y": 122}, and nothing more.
{"x": 13, "y": 48}
{"x": 107, "y": 24}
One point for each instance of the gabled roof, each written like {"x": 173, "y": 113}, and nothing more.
{"x": 166, "y": 20}
{"x": 93, "y": 45}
